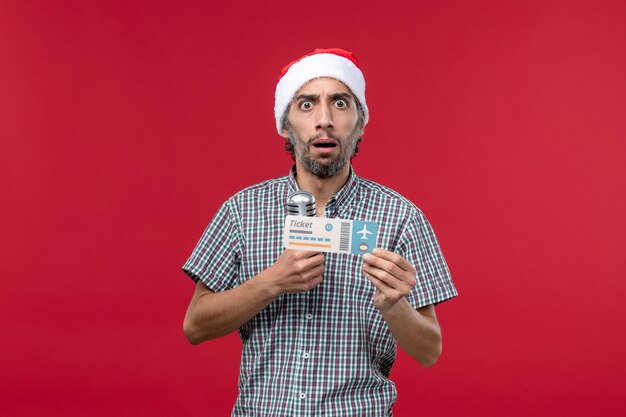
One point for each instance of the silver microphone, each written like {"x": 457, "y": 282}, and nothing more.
{"x": 301, "y": 203}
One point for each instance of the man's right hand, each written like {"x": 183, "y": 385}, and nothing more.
{"x": 296, "y": 271}
{"x": 215, "y": 314}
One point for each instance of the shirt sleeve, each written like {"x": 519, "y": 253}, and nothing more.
{"x": 419, "y": 246}
{"x": 215, "y": 259}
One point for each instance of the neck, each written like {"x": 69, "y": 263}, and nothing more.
{"x": 322, "y": 188}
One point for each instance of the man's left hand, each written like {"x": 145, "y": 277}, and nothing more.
{"x": 392, "y": 275}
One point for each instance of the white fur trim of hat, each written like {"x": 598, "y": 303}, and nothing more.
{"x": 334, "y": 63}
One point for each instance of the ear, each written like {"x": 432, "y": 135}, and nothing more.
{"x": 284, "y": 134}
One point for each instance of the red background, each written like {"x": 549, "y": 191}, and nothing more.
{"x": 124, "y": 125}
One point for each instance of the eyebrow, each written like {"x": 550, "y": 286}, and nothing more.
{"x": 311, "y": 97}
{"x": 343, "y": 96}
{"x": 314, "y": 97}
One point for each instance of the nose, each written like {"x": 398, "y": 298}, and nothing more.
{"x": 324, "y": 117}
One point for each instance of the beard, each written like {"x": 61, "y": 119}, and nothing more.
{"x": 326, "y": 167}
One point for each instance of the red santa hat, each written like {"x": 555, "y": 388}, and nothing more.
{"x": 334, "y": 63}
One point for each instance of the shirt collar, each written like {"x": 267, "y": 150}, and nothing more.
{"x": 292, "y": 185}
{"x": 341, "y": 201}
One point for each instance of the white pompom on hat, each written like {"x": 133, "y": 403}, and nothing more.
{"x": 334, "y": 63}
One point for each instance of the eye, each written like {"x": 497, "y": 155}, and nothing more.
{"x": 341, "y": 103}
{"x": 306, "y": 105}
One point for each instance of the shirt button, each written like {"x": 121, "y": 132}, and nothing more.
{"x": 309, "y": 316}
{"x": 302, "y": 395}
{"x": 306, "y": 355}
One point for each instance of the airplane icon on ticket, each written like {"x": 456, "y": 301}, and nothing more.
{"x": 364, "y": 232}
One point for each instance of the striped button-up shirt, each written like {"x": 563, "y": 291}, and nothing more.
{"x": 328, "y": 351}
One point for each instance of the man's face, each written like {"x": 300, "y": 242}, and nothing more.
{"x": 322, "y": 126}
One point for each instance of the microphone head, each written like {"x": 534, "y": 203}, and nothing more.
{"x": 301, "y": 203}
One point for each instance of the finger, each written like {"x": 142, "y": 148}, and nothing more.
{"x": 306, "y": 270}
{"x": 383, "y": 277}
{"x": 376, "y": 262}
{"x": 299, "y": 254}
{"x": 307, "y": 254}
{"x": 315, "y": 260}
{"x": 394, "y": 258}
{"x": 381, "y": 285}
{"x": 317, "y": 271}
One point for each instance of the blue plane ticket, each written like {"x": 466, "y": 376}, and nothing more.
{"x": 322, "y": 234}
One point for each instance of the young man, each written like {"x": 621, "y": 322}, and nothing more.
{"x": 319, "y": 330}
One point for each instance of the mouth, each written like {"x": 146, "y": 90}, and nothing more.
{"x": 324, "y": 143}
